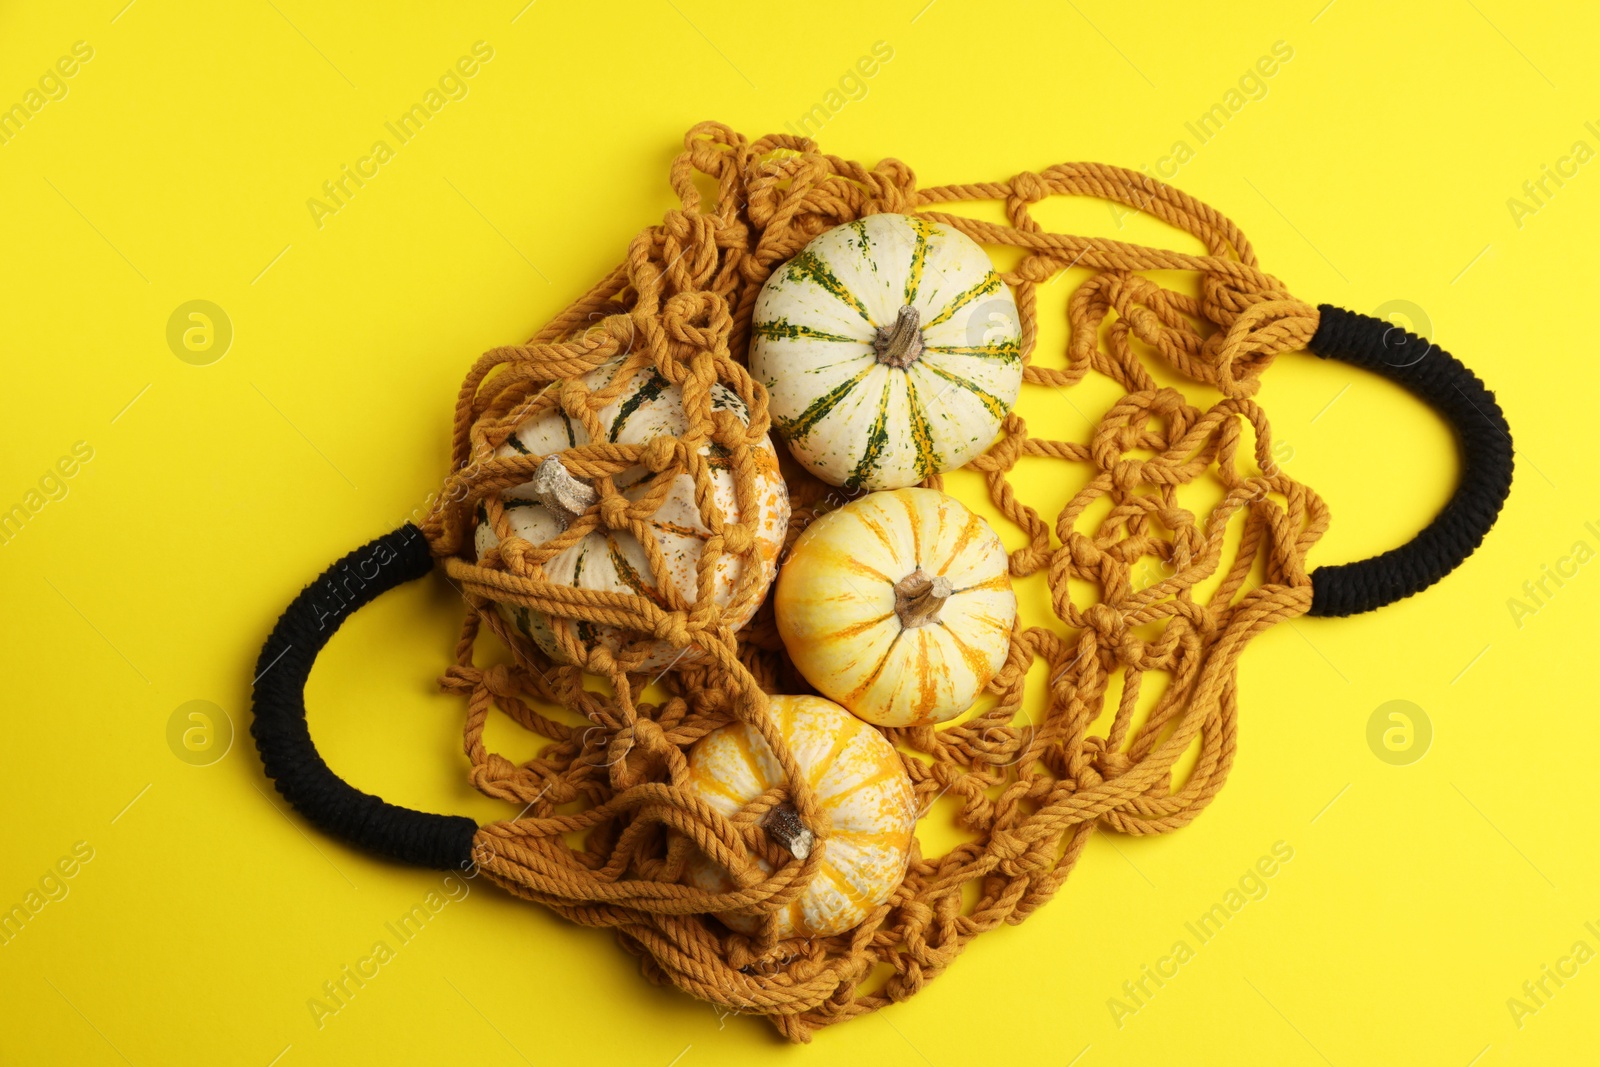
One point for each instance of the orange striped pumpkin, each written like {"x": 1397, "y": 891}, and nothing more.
{"x": 867, "y": 804}
{"x": 899, "y": 606}
{"x": 614, "y": 561}
{"x": 891, "y": 351}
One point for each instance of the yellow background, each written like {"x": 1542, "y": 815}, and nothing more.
{"x": 1376, "y": 168}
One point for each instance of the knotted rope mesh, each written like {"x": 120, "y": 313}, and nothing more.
{"x": 604, "y": 832}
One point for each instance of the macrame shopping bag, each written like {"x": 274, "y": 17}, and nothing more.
{"x": 606, "y": 829}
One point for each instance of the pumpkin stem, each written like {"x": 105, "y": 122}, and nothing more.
{"x": 919, "y": 596}
{"x": 564, "y": 496}
{"x": 783, "y": 825}
{"x": 900, "y": 345}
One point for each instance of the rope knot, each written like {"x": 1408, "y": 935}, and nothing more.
{"x": 614, "y": 511}
{"x": 600, "y": 660}
{"x": 698, "y": 319}
{"x": 572, "y": 397}
{"x": 1255, "y": 339}
{"x": 460, "y": 679}
{"x": 498, "y": 680}
{"x": 1010, "y": 849}
{"x": 1029, "y": 187}
{"x": 1085, "y": 553}
{"x": 640, "y": 752}
{"x": 515, "y": 551}
{"x": 1108, "y": 624}
{"x": 1005, "y": 452}
{"x": 891, "y": 187}
{"x": 1176, "y": 518}
{"x": 1128, "y": 473}
{"x": 659, "y": 453}
{"x": 916, "y": 914}
{"x": 672, "y": 628}
{"x": 494, "y": 769}
{"x": 1112, "y": 764}
{"x": 736, "y": 538}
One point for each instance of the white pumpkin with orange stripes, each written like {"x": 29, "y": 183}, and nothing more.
{"x": 614, "y": 561}
{"x": 891, "y": 351}
{"x": 868, "y": 810}
{"x": 899, "y": 606}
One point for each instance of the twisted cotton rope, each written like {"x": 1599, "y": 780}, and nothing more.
{"x": 605, "y": 832}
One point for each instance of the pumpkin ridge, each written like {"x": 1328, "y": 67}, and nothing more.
{"x": 919, "y": 256}
{"x": 886, "y": 775}
{"x": 855, "y": 629}
{"x": 878, "y": 531}
{"x": 716, "y": 785}
{"x": 525, "y": 624}
{"x": 989, "y": 284}
{"x": 679, "y": 529}
{"x": 647, "y": 392}
{"x": 718, "y": 457}
{"x": 1008, "y": 352}
{"x": 725, "y": 399}
{"x": 893, "y": 838}
{"x": 921, "y": 432}
{"x": 992, "y": 403}
{"x": 859, "y": 228}
{"x": 909, "y": 503}
{"x": 868, "y": 354}
{"x": 577, "y": 564}
{"x": 781, "y": 329}
{"x": 822, "y": 406}
{"x": 631, "y": 577}
{"x": 847, "y": 888}
{"x": 927, "y": 689}
{"x": 983, "y": 618}
{"x": 856, "y": 693}
{"x": 808, "y": 266}
{"x": 851, "y": 563}
{"x": 820, "y": 769}
{"x": 864, "y": 246}
{"x": 999, "y": 581}
{"x": 974, "y": 659}
{"x": 585, "y": 629}
{"x": 877, "y": 438}
{"x": 741, "y": 742}
{"x": 969, "y": 530}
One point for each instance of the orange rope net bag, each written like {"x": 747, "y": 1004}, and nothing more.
{"x": 607, "y": 831}
{"x": 681, "y": 304}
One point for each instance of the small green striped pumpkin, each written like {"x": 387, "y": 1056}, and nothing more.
{"x": 891, "y": 351}
{"x": 614, "y": 561}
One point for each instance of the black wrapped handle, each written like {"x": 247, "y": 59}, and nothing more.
{"x": 287, "y": 751}
{"x": 1439, "y": 380}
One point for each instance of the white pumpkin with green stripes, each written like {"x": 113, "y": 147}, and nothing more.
{"x": 613, "y": 560}
{"x": 891, "y": 351}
